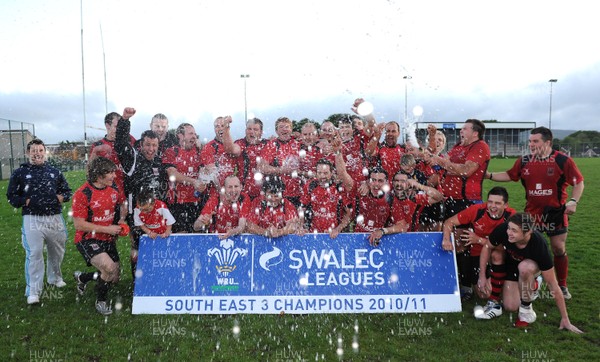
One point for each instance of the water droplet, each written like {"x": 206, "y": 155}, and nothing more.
{"x": 365, "y": 108}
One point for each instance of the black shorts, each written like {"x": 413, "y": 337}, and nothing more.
{"x": 512, "y": 270}
{"x": 432, "y": 213}
{"x": 89, "y": 248}
{"x": 185, "y": 215}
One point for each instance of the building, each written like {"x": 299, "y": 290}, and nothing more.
{"x": 504, "y": 138}
{"x": 13, "y": 149}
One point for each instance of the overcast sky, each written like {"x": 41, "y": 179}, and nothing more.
{"x": 309, "y": 58}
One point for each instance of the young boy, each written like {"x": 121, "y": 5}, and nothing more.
{"x": 150, "y": 217}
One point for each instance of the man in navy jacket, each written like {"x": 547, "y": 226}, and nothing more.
{"x": 40, "y": 190}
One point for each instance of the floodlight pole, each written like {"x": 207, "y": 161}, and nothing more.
{"x": 406, "y": 78}
{"x": 245, "y": 77}
{"x": 551, "y": 81}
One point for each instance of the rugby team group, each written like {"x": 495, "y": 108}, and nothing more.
{"x": 348, "y": 174}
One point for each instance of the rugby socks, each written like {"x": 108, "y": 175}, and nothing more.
{"x": 88, "y": 277}
{"x": 525, "y": 304}
{"x": 498, "y": 275}
{"x": 474, "y": 271}
{"x": 463, "y": 261}
{"x": 561, "y": 264}
{"x": 102, "y": 288}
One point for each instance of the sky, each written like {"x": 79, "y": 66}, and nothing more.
{"x": 305, "y": 59}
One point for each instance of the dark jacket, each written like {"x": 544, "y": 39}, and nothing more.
{"x": 140, "y": 172}
{"x": 40, "y": 184}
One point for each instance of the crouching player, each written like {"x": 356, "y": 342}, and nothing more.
{"x": 526, "y": 255}
{"x": 98, "y": 211}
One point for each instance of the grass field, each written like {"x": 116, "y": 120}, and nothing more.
{"x": 66, "y": 328}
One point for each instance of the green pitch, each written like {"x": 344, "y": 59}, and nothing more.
{"x": 66, "y": 328}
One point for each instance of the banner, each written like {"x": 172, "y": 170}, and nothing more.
{"x": 200, "y": 274}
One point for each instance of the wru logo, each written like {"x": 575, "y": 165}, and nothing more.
{"x": 226, "y": 256}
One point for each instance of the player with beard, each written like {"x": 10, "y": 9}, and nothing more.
{"x": 410, "y": 197}
{"x": 225, "y": 213}
{"x": 272, "y": 215}
{"x": 481, "y": 219}
{"x": 325, "y": 204}
{"x": 546, "y": 174}
{"x": 251, "y": 147}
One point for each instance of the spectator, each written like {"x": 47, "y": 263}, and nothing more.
{"x": 40, "y": 190}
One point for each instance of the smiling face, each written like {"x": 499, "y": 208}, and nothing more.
{"x": 346, "y": 131}
{"x": 327, "y": 130}
{"x": 496, "y": 206}
{"x": 309, "y": 134}
{"x": 467, "y": 134}
{"x": 232, "y": 189}
{"x": 37, "y": 154}
{"x": 253, "y": 133}
{"x": 220, "y": 126}
{"x": 377, "y": 181}
{"x": 187, "y": 138}
{"x": 400, "y": 184}
{"x": 284, "y": 130}
{"x": 324, "y": 175}
{"x": 515, "y": 233}
{"x": 149, "y": 147}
